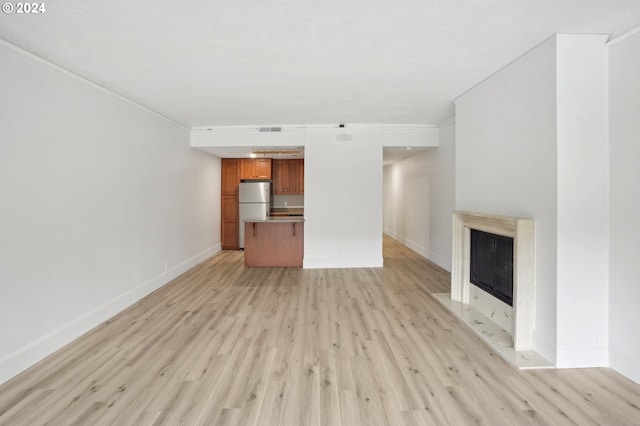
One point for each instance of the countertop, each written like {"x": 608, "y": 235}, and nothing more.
{"x": 276, "y": 219}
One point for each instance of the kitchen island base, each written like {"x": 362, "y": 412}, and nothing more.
{"x": 274, "y": 242}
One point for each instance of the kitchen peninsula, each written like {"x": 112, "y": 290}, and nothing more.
{"x": 274, "y": 241}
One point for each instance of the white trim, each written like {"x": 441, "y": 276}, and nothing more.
{"x": 623, "y": 36}
{"x": 572, "y": 37}
{"x": 553, "y": 37}
{"x": 624, "y": 363}
{"x": 590, "y": 38}
{"x": 544, "y": 347}
{"x": 346, "y": 128}
{"x": 429, "y": 255}
{"x": 422, "y": 251}
{"x": 338, "y": 262}
{"x": 89, "y": 82}
{"x": 522, "y": 230}
{"x": 33, "y": 352}
{"x": 448, "y": 122}
{"x": 582, "y": 356}
{"x": 439, "y": 260}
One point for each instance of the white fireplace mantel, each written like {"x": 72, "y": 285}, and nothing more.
{"x": 522, "y": 231}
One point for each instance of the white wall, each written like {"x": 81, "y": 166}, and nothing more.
{"x": 343, "y": 199}
{"x": 624, "y": 137}
{"x": 506, "y": 163}
{"x": 97, "y": 193}
{"x": 407, "y": 192}
{"x": 418, "y": 199}
{"x": 583, "y": 194}
{"x": 343, "y": 182}
{"x": 532, "y": 142}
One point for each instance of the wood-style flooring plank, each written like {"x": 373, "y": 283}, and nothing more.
{"x": 225, "y": 344}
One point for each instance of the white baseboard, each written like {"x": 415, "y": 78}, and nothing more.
{"x": 440, "y": 261}
{"x": 544, "y": 347}
{"x": 334, "y": 263}
{"x": 392, "y": 234}
{"x": 28, "y": 355}
{"x": 625, "y": 364}
{"x": 582, "y": 356}
{"x": 422, "y": 251}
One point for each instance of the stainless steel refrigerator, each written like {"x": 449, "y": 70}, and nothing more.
{"x": 254, "y": 198}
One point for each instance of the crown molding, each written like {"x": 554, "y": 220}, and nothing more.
{"x": 623, "y": 36}
{"x": 294, "y": 127}
{"x": 449, "y": 121}
{"x": 87, "y": 81}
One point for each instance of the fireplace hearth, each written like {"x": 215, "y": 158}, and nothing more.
{"x": 504, "y": 316}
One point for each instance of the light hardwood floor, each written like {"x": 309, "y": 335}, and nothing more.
{"x": 225, "y": 344}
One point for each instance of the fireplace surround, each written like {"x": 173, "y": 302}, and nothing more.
{"x": 522, "y": 231}
{"x": 508, "y": 330}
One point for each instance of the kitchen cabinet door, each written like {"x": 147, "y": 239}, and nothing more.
{"x": 229, "y": 220}
{"x": 293, "y": 167}
{"x": 255, "y": 168}
{"x": 288, "y": 177}
{"x": 280, "y": 176}
{"x": 230, "y": 223}
{"x": 230, "y": 176}
{"x": 263, "y": 168}
{"x": 300, "y": 176}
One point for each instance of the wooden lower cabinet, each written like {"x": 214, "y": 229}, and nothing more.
{"x": 273, "y": 244}
{"x": 230, "y": 223}
{"x": 229, "y": 220}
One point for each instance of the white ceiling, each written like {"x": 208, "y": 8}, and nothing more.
{"x": 235, "y": 62}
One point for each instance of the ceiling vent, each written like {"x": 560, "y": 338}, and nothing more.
{"x": 270, "y": 129}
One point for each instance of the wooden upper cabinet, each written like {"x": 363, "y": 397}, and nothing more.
{"x": 263, "y": 168}
{"x": 280, "y": 176}
{"x": 300, "y": 176}
{"x": 255, "y": 168}
{"x": 230, "y": 176}
{"x": 288, "y": 177}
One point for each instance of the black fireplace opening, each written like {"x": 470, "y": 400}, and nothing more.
{"x": 492, "y": 264}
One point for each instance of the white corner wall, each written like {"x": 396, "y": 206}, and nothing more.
{"x": 343, "y": 199}
{"x": 506, "y": 161}
{"x": 624, "y": 154}
{"x": 532, "y": 142}
{"x": 418, "y": 199}
{"x": 102, "y": 203}
{"x": 583, "y": 195}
